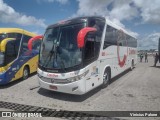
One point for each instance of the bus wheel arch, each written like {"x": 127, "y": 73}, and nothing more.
{"x": 26, "y": 72}
{"x": 106, "y": 77}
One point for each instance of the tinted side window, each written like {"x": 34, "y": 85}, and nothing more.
{"x": 114, "y": 37}
{"x": 93, "y": 40}
{"x": 14, "y": 35}
{"x": 25, "y": 40}
{"x": 132, "y": 42}
{"x": 111, "y": 37}
{"x": 92, "y": 47}
{"x": 12, "y": 49}
{"x": 11, "y": 35}
{"x": 89, "y": 47}
{"x": 98, "y": 24}
{"x": 121, "y": 38}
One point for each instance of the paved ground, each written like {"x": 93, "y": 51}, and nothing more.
{"x": 137, "y": 90}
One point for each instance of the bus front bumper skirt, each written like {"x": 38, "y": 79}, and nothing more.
{"x": 77, "y": 87}
{"x": 3, "y": 80}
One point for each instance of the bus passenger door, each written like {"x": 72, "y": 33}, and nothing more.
{"x": 11, "y": 54}
{"x": 91, "y": 54}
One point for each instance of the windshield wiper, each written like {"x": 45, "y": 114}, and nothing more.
{"x": 62, "y": 64}
{"x": 48, "y": 59}
{"x": 53, "y": 52}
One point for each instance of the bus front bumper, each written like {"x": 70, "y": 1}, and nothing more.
{"x": 77, "y": 87}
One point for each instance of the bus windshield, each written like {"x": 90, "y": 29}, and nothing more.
{"x": 59, "y": 48}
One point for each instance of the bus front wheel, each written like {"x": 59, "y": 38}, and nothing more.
{"x": 106, "y": 78}
{"x": 25, "y": 73}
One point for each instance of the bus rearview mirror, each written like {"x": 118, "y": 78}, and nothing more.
{"x": 82, "y": 34}
{"x": 30, "y": 42}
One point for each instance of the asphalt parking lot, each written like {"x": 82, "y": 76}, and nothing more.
{"x": 136, "y": 90}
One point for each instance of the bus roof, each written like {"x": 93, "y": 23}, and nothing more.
{"x": 81, "y": 19}
{"x": 16, "y": 30}
{"x": 73, "y": 21}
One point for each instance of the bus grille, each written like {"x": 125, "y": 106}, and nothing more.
{"x": 55, "y": 81}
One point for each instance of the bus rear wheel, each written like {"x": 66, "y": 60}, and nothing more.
{"x": 25, "y": 73}
{"x": 106, "y": 78}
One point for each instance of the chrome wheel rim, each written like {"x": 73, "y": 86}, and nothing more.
{"x": 25, "y": 73}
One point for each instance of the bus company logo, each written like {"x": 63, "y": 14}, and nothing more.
{"x": 120, "y": 40}
{"x": 52, "y": 75}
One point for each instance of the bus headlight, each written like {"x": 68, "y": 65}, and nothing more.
{"x": 79, "y": 77}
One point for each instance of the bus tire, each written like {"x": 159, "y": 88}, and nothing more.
{"x": 25, "y": 73}
{"x": 106, "y": 77}
{"x": 132, "y": 65}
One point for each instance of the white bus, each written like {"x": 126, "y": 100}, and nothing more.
{"x": 80, "y": 54}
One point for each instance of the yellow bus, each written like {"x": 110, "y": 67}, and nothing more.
{"x": 16, "y": 59}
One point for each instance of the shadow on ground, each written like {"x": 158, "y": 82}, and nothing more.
{"x": 155, "y": 66}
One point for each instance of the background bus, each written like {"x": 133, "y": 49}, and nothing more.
{"x": 80, "y": 54}
{"x": 16, "y": 60}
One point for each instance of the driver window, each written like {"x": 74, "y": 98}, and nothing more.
{"x": 25, "y": 43}
{"x": 93, "y": 40}
{"x": 89, "y": 47}
{"x": 36, "y": 44}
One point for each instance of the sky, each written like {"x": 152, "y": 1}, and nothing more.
{"x": 140, "y": 17}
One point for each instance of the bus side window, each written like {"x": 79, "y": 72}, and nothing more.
{"x": 11, "y": 35}
{"x": 24, "y": 46}
{"x": 111, "y": 37}
{"x": 89, "y": 47}
{"x": 131, "y": 41}
{"x": 15, "y": 35}
{"x": 12, "y": 48}
{"x": 93, "y": 40}
{"x": 92, "y": 47}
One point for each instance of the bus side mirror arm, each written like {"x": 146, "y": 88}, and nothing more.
{"x": 33, "y": 39}
{"x": 82, "y": 34}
